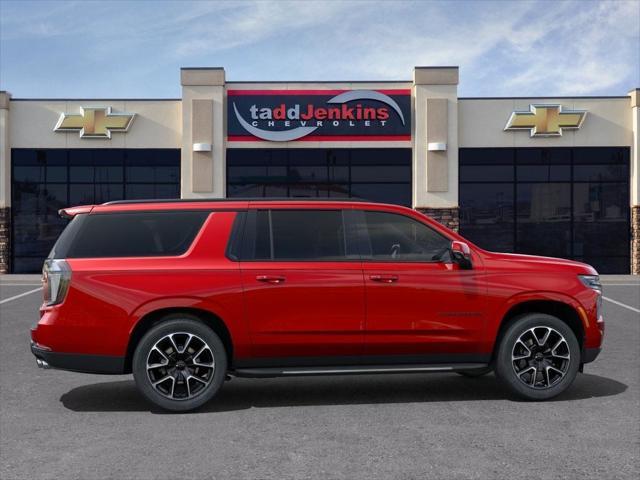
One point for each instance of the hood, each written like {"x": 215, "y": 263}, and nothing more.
{"x": 534, "y": 261}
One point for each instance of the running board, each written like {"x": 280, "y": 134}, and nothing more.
{"x": 351, "y": 370}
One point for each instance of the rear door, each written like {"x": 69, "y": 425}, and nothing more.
{"x": 421, "y": 307}
{"x": 304, "y": 289}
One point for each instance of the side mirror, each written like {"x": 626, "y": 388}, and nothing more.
{"x": 461, "y": 254}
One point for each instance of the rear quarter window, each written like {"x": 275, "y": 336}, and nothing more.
{"x": 135, "y": 234}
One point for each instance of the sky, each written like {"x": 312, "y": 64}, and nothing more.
{"x": 119, "y": 49}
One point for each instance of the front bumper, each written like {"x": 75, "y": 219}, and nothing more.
{"x": 78, "y": 362}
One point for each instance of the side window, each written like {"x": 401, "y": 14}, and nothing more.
{"x": 134, "y": 234}
{"x": 394, "y": 237}
{"x": 305, "y": 235}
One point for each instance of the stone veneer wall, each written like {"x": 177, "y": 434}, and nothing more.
{"x": 5, "y": 239}
{"x": 449, "y": 217}
{"x": 635, "y": 239}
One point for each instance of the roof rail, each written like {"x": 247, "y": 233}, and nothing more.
{"x": 243, "y": 199}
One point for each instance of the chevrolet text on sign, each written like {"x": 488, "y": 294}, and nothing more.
{"x": 318, "y": 115}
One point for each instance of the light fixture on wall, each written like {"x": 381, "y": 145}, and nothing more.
{"x": 201, "y": 147}
{"x": 436, "y": 146}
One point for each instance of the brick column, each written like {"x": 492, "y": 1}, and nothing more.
{"x": 5, "y": 183}
{"x": 449, "y": 217}
{"x": 635, "y": 239}
{"x": 634, "y": 95}
{"x": 5, "y": 239}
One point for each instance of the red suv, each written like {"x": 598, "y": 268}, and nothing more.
{"x": 186, "y": 294}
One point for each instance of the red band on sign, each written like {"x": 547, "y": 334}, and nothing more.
{"x": 329, "y": 138}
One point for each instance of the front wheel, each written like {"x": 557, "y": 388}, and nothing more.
{"x": 179, "y": 364}
{"x": 538, "y": 357}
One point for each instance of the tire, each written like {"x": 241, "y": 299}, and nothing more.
{"x": 476, "y": 373}
{"x": 538, "y": 357}
{"x": 188, "y": 355}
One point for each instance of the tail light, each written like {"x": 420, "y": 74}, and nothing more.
{"x": 56, "y": 276}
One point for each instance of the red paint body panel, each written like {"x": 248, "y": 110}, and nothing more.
{"x": 109, "y": 296}
{"x": 317, "y": 310}
{"x": 430, "y": 308}
{"x": 309, "y": 309}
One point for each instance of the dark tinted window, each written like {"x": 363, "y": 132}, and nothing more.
{"x": 45, "y": 180}
{"x": 562, "y": 202}
{"x": 306, "y": 235}
{"x": 377, "y": 174}
{"x": 140, "y": 234}
{"x": 394, "y": 237}
{"x": 65, "y": 240}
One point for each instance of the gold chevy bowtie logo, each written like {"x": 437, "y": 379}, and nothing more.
{"x": 546, "y": 120}
{"x": 94, "y": 122}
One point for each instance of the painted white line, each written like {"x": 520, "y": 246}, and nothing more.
{"x": 20, "y": 296}
{"x": 621, "y": 284}
{"x": 23, "y": 284}
{"x": 633, "y": 309}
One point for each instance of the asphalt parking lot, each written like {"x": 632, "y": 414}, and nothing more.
{"x": 56, "y": 424}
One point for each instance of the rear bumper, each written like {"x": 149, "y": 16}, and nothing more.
{"x": 77, "y": 362}
{"x": 590, "y": 354}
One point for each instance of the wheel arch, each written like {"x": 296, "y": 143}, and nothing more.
{"x": 152, "y": 318}
{"x": 564, "y": 311}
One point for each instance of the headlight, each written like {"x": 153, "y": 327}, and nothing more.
{"x": 56, "y": 276}
{"x": 591, "y": 281}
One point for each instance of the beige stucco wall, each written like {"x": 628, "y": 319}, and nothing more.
{"x": 157, "y": 124}
{"x": 469, "y": 123}
{"x": 635, "y": 146}
{"x": 610, "y": 121}
{"x": 203, "y": 174}
{"x": 5, "y": 163}
{"x": 423, "y": 197}
{"x": 482, "y": 122}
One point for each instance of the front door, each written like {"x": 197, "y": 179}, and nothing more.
{"x": 421, "y": 307}
{"x": 304, "y": 289}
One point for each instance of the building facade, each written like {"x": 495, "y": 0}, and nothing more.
{"x": 546, "y": 176}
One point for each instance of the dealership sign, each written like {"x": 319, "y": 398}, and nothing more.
{"x": 318, "y": 115}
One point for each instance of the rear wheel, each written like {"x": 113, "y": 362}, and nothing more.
{"x": 538, "y": 357}
{"x": 179, "y": 364}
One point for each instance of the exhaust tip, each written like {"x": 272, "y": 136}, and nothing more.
{"x": 42, "y": 364}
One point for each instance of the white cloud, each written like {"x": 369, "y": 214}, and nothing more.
{"x": 503, "y": 48}
{"x": 579, "y": 51}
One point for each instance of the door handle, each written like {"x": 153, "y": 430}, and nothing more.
{"x": 275, "y": 279}
{"x": 384, "y": 278}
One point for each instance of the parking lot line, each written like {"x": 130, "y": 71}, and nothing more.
{"x": 633, "y": 309}
{"x": 15, "y": 297}
{"x": 19, "y": 284}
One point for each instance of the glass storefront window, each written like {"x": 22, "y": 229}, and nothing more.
{"x": 566, "y": 202}
{"x": 46, "y": 180}
{"x": 486, "y": 211}
{"x": 382, "y": 175}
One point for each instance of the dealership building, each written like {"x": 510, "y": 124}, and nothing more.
{"x": 556, "y": 176}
